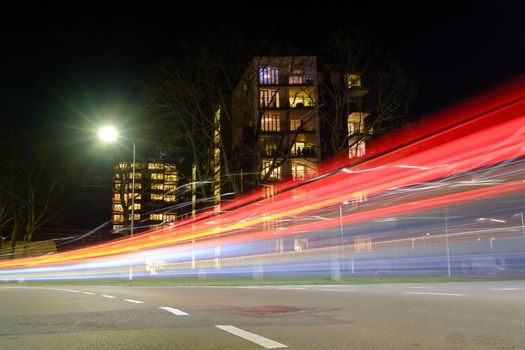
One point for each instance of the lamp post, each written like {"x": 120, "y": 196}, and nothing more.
{"x": 110, "y": 134}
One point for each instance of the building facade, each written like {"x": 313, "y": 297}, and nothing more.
{"x": 155, "y": 195}
{"x": 275, "y": 109}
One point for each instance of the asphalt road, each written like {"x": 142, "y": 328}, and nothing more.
{"x": 467, "y": 315}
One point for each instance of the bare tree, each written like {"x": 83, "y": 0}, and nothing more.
{"x": 181, "y": 96}
{"x": 358, "y": 78}
{"x": 33, "y": 186}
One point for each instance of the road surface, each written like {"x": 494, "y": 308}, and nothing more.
{"x": 461, "y": 315}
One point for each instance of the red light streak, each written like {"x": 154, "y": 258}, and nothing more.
{"x": 489, "y": 133}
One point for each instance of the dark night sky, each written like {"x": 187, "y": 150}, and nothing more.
{"x": 452, "y": 48}
{"x": 58, "y": 68}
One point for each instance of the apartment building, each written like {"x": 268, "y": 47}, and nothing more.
{"x": 276, "y": 119}
{"x": 155, "y": 195}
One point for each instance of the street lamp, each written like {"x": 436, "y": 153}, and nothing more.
{"x": 110, "y": 134}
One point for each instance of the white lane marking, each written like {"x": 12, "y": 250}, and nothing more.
{"x": 418, "y": 287}
{"x": 88, "y": 293}
{"x": 291, "y": 288}
{"x": 249, "y": 287}
{"x": 505, "y": 288}
{"x": 45, "y": 288}
{"x": 428, "y": 293}
{"x": 108, "y": 296}
{"x": 338, "y": 290}
{"x": 134, "y": 301}
{"x": 173, "y": 310}
{"x": 255, "y": 338}
{"x": 62, "y": 289}
{"x": 65, "y": 290}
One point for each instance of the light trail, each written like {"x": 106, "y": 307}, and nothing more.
{"x": 487, "y": 141}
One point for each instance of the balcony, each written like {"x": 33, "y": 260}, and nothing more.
{"x": 301, "y": 79}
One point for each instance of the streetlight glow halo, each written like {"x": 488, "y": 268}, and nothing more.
{"x": 108, "y": 134}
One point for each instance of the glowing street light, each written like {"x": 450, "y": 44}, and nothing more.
{"x": 110, "y": 134}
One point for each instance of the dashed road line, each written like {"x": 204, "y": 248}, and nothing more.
{"x": 108, "y": 296}
{"x": 254, "y": 338}
{"x": 173, "y": 310}
{"x": 338, "y": 290}
{"x": 291, "y": 288}
{"x": 134, "y": 301}
{"x": 88, "y": 293}
{"x": 505, "y": 288}
{"x": 444, "y": 294}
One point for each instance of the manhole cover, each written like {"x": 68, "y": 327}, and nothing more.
{"x": 265, "y": 310}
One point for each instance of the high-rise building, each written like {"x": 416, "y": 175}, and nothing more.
{"x": 276, "y": 119}
{"x": 155, "y": 195}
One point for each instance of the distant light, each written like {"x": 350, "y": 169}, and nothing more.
{"x": 497, "y": 220}
{"x": 491, "y": 219}
{"x": 108, "y": 134}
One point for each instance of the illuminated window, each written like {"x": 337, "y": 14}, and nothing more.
{"x": 122, "y": 165}
{"x": 137, "y": 176}
{"x": 169, "y": 188}
{"x": 116, "y": 197}
{"x": 271, "y": 122}
{"x": 268, "y": 191}
{"x": 270, "y": 147}
{"x": 357, "y": 150}
{"x": 157, "y": 186}
{"x": 137, "y": 196}
{"x": 170, "y": 198}
{"x": 303, "y": 149}
{"x": 269, "y": 98}
{"x": 307, "y": 120}
{"x": 156, "y": 166}
{"x": 155, "y": 217}
{"x": 136, "y": 217}
{"x": 171, "y": 178}
{"x": 353, "y": 80}
{"x": 295, "y": 124}
{"x": 301, "y": 101}
{"x": 355, "y": 125}
{"x": 156, "y": 196}
{"x": 136, "y": 206}
{"x": 298, "y": 148}
{"x": 303, "y": 75}
{"x": 170, "y": 217}
{"x": 157, "y": 176}
{"x": 266, "y": 166}
{"x": 117, "y": 207}
{"x": 268, "y": 75}
{"x": 138, "y": 185}
{"x": 298, "y": 171}
{"x": 118, "y": 218}
{"x": 301, "y": 97}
